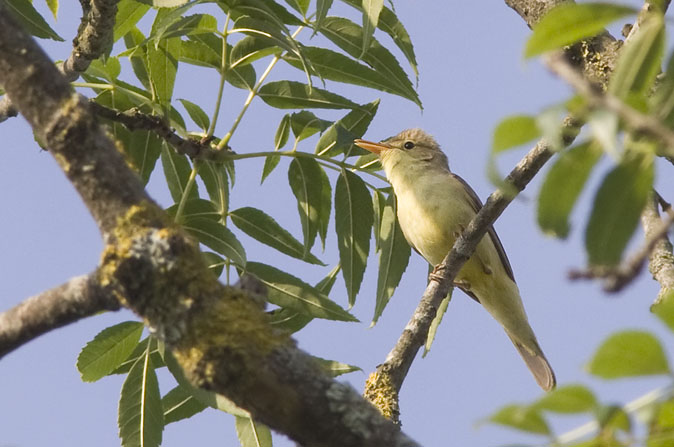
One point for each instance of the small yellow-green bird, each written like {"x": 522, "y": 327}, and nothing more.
{"x": 434, "y": 207}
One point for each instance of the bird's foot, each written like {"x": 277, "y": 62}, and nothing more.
{"x": 436, "y": 274}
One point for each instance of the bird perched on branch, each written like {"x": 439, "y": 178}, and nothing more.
{"x": 434, "y": 207}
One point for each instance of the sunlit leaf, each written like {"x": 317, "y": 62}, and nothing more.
{"x": 371, "y": 11}
{"x": 162, "y": 68}
{"x": 108, "y": 350}
{"x": 141, "y": 417}
{"x": 562, "y": 186}
{"x": 640, "y": 59}
{"x": 335, "y": 368}
{"x": 522, "y": 418}
{"x": 291, "y": 292}
{"x": 570, "y": 22}
{"x": 251, "y": 433}
{"x": 435, "y": 324}
{"x": 129, "y": 12}
{"x": 628, "y": 354}
{"x": 353, "y": 224}
{"x": 568, "y": 399}
{"x": 195, "y": 208}
{"x": 664, "y": 307}
{"x": 138, "y": 352}
{"x": 214, "y": 176}
{"x": 514, "y": 131}
{"x": 262, "y": 227}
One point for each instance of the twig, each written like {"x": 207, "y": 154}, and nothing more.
{"x": 616, "y": 278}
{"x": 78, "y": 298}
{"x": 134, "y": 120}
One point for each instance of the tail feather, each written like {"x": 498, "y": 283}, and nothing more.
{"x": 537, "y": 363}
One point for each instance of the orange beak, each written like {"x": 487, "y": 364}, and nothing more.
{"x": 376, "y": 148}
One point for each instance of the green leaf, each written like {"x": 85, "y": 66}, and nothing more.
{"x": 378, "y": 203}
{"x": 138, "y": 352}
{"x": 196, "y": 208}
{"x": 337, "y": 67}
{"x": 617, "y": 207}
{"x": 325, "y": 207}
{"x": 522, "y": 418}
{"x": 129, "y": 12}
{"x": 177, "y": 171}
{"x": 562, "y": 186}
{"x": 571, "y": 22}
{"x": 435, "y": 324}
{"x": 108, "y": 350}
{"x": 179, "y": 404}
{"x": 663, "y": 96}
{"x": 514, "y": 131}
{"x": 339, "y": 137}
{"x": 663, "y": 308}
{"x": 252, "y": 434}
{"x": 141, "y": 417}
{"x": 391, "y": 25}
{"x": 640, "y": 59}
{"x": 189, "y": 25}
{"x": 270, "y": 163}
{"x": 628, "y": 354}
{"x": 195, "y": 112}
{"x": 162, "y": 62}
{"x": 393, "y": 257}
{"x": 568, "y": 399}
{"x": 301, "y": 6}
{"x": 53, "y": 6}
{"x": 217, "y": 237}
{"x": 349, "y": 37}
{"x": 282, "y": 133}
{"x": 214, "y": 176}
{"x": 31, "y": 20}
{"x": 305, "y": 124}
{"x": 353, "y": 223}
{"x": 214, "y": 263}
{"x": 304, "y": 177}
{"x": 138, "y": 57}
{"x": 371, "y": 11}
{"x": 144, "y": 149}
{"x": 295, "y": 95}
{"x": 251, "y": 48}
{"x": 322, "y": 8}
{"x": 290, "y": 292}
{"x": 263, "y": 228}
{"x": 335, "y": 368}
{"x": 661, "y": 427}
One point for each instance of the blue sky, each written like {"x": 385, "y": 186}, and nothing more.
{"x": 472, "y": 74}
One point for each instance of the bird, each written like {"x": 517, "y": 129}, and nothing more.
{"x": 434, "y": 206}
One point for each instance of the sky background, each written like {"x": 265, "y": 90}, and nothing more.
{"x": 472, "y": 75}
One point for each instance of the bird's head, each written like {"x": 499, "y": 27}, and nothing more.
{"x": 411, "y": 147}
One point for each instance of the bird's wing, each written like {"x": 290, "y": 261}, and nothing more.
{"x": 477, "y": 204}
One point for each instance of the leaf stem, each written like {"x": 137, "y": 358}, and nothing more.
{"x": 327, "y": 162}
{"x": 223, "y": 72}
{"x": 225, "y": 140}
{"x": 186, "y": 192}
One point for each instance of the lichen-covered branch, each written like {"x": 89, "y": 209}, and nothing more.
{"x": 221, "y": 338}
{"x": 78, "y": 298}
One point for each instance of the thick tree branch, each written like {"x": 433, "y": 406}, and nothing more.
{"x": 221, "y": 338}
{"x": 78, "y": 298}
{"x": 94, "y": 37}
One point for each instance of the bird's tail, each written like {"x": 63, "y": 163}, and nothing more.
{"x": 536, "y": 362}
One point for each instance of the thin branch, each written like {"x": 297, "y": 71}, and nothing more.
{"x": 594, "y": 93}
{"x": 134, "y": 120}
{"x": 94, "y": 37}
{"x": 78, "y": 298}
{"x": 617, "y": 277}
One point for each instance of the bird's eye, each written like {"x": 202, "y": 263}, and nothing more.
{"x": 408, "y": 145}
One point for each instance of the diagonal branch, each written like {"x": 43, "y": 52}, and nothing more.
{"x": 94, "y": 37}
{"x": 78, "y": 298}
